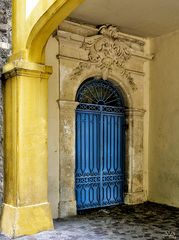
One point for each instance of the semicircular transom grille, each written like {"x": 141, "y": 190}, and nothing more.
{"x": 100, "y": 92}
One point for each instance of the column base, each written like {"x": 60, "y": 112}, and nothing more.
{"x": 28, "y": 220}
{"x": 67, "y": 209}
{"x": 135, "y": 198}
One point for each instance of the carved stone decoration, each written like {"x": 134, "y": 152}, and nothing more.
{"x": 78, "y": 71}
{"x": 106, "y": 50}
{"x": 131, "y": 81}
{"x": 114, "y": 32}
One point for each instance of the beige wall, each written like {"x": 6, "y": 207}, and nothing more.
{"x": 164, "y": 121}
{"x": 146, "y": 116}
{"x": 53, "y": 127}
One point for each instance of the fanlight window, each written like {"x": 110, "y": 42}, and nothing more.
{"x": 99, "y": 92}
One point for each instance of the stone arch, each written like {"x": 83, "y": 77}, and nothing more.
{"x": 117, "y": 81}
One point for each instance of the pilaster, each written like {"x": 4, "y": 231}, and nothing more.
{"x": 134, "y": 173}
{"x": 67, "y": 204}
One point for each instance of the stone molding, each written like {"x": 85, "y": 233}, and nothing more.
{"x": 21, "y": 68}
{"x": 78, "y": 32}
{"x": 106, "y": 51}
{"x": 77, "y": 28}
{"x": 85, "y": 30}
{"x": 135, "y": 112}
{"x": 65, "y": 105}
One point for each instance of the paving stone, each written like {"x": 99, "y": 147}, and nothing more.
{"x": 146, "y": 221}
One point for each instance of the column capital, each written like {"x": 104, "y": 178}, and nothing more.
{"x": 68, "y": 105}
{"x": 23, "y": 68}
{"x": 135, "y": 112}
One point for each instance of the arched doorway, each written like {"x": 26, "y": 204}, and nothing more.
{"x": 99, "y": 173}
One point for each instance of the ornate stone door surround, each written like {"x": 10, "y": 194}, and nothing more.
{"x": 85, "y": 51}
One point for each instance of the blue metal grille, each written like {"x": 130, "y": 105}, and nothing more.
{"x": 100, "y": 92}
{"x": 99, "y": 155}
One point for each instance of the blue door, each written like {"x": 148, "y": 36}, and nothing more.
{"x": 99, "y": 150}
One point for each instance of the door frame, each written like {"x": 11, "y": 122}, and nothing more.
{"x": 133, "y": 190}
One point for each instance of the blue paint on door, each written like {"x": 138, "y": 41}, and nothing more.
{"x": 99, "y": 171}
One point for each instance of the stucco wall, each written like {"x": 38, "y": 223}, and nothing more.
{"x": 164, "y": 121}
{"x": 53, "y": 127}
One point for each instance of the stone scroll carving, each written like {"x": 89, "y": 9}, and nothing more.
{"x": 78, "y": 70}
{"x": 106, "y": 50}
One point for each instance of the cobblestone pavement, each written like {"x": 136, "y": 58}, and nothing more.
{"x": 147, "y": 221}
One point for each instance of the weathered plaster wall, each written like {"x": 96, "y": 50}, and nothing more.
{"x": 164, "y": 121}
{"x": 5, "y": 40}
{"x": 53, "y": 127}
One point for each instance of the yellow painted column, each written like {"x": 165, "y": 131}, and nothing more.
{"x": 26, "y": 209}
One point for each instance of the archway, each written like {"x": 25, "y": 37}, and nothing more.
{"x": 100, "y": 138}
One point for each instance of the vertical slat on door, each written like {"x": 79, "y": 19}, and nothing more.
{"x": 101, "y": 158}
{"x": 96, "y": 172}
{"x": 87, "y": 160}
{"x": 112, "y": 168}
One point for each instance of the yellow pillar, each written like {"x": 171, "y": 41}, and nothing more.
{"x": 26, "y": 209}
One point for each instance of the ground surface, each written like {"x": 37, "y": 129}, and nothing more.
{"x": 146, "y": 221}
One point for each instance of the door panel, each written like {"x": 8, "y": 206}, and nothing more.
{"x": 112, "y": 169}
{"x": 87, "y": 160}
{"x": 99, "y": 157}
